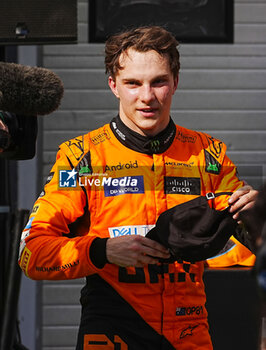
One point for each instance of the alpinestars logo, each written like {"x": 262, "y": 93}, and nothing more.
{"x": 187, "y": 331}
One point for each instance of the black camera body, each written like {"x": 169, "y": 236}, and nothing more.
{"x": 19, "y": 142}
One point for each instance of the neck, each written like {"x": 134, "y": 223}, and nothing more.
{"x": 151, "y": 132}
{"x": 149, "y": 144}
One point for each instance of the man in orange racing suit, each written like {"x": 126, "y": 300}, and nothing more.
{"x": 106, "y": 191}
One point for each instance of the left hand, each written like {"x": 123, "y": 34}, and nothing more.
{"x": 242, "y": 199}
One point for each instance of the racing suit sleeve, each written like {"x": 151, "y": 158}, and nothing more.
{"x": 51, "y": 247}
{"x": 228, "y": 181}
{"x": 221, "y": 172}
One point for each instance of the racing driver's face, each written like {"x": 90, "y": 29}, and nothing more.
{"x": 144, "y": 86}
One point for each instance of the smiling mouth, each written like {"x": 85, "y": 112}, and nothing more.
{"x": 147, "y": 110}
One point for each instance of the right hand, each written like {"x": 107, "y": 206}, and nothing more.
{"x": 135, "y": 251}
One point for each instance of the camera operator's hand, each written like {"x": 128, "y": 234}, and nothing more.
{"x": 135, "y": 251}
{"x": 242, "y": 199}
{"x": 4, "y": 136}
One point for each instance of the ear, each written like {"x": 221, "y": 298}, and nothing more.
{"x": 175, "y": 83}
{"x": 112, "y": 85}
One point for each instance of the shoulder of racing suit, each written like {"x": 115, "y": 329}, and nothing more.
{"x": 214, "y": 150}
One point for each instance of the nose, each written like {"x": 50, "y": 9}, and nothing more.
{"x": 147, "y": 94}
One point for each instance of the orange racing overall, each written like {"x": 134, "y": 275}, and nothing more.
{"x": 113, "y": 182}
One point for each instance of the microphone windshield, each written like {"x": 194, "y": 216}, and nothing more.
{"x": 29, "y": 90}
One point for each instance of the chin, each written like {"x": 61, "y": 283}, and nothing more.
{"x": 150, "y": 129}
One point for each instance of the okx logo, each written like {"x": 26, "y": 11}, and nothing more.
{"x": 67, "y": 178}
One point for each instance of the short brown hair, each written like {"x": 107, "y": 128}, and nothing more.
{"x": 141, "y": 39}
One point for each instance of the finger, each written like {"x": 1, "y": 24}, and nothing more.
{"x": 238, "y": 204}
{"x": 244, "y": 207}
{"x": 146, "y": 260}
{"x": 239, "y": 193}
{"x": 134, "y": 251}
{"x": 137, "y": 259}
{"x": 147, "y": 242}
{"x": 3, "y": 126}
{"x": 155, "y": 249}
{"x": 244, "y": 199}
{"x": 155, "y": 253}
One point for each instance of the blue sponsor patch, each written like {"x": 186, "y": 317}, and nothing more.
{"x": 180, "y": 311}
{"x": 123, "y": 185}
{"x": 67, "y": 178}
{"x": 28, "y": 226}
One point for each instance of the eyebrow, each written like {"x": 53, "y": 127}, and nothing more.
{"x": 163, "y": 76}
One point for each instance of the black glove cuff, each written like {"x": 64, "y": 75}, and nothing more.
{"x": 98, "y": 252}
